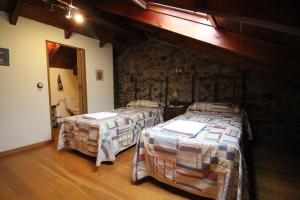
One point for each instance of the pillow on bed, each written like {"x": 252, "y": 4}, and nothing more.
{"x": 144, "y": 103}
{"x": 215, "y": 107}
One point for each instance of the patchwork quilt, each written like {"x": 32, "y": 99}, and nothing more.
{"x": 207, "y": 163}
{"x": 105, "y": 138}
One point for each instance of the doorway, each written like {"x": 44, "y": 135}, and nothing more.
{"x": 67, "y": 83}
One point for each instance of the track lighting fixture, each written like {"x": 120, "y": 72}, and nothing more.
{"x": 78, "y": 18}
{"x": 69, "y": 13}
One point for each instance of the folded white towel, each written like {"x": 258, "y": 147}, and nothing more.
{"x": 100, "y": 115}
{"x": 184, "y": 127}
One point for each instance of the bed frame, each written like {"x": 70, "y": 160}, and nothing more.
{"x": 150, "y": 82}
{"x": 236, "y": 83}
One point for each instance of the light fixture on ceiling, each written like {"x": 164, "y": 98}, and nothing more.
{"x": 68, "y": 7}
{"x": 69, "y": 11}
{"x": 78, "y": 18}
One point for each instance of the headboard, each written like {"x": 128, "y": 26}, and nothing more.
{"x": 150, "y": 88}
{"x": 220, "y": 87}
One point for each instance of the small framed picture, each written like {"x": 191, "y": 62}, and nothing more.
{"x": 99, "y": 74}
{"x": 4, "y": 57}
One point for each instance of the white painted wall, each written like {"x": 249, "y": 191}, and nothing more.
{"x": 24, "y": 109}
{"x": 69, "y": 82}
{"x": 70, "y": 89}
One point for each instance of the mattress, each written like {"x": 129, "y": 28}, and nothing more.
{"x": 105, "y": 138}
{"x": 209, "y": 163}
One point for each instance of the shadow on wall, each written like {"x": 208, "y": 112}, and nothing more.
{"x": 273, "y": 107}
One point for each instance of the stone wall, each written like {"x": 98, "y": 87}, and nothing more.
{"x": 273, "y": 108}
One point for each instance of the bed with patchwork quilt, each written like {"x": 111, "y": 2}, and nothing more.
{"x": 200, "y": 151}
{"x": 105, "y": 134}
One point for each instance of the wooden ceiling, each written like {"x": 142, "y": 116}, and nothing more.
{"x": 61, "y": 56}
{"x": 258, "y": 35}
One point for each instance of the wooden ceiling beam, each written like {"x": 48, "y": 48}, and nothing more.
{"x": 212, "y": 19}
{"x": 35, "y": 8}
{"x": 52, "y": 49}
{"x": 186, "y": 4}
{"x": 279, "y": 16}
{"x": 106, "y": 37}
{"x": 70, "y": 28}
{"x": 260, "y": 12}
{"x": 14, "y": 15}
{"x": 106, "y": 16}
{"x": 176, "y": 12}
{"x": 256, "y": 22}
{"x": 242, "y": 51}
{"x": 243, "y": 45}
{"x": 68, "y": 34}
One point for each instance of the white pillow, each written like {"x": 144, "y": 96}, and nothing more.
{"x": 144, "y": 103}
{"x": 215, "y": 107}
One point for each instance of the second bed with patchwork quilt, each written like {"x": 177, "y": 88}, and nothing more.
{"x": 200, "y": 152}
{"x": 104, "y": 135}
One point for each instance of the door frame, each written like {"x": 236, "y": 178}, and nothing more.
{"x": 81, "y": 73}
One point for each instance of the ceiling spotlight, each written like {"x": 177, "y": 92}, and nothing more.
{"x": 78, "y": 18}
{"x": 69, "y": 13}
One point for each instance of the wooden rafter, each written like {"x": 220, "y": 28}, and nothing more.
{"x": 106, "y": 37}
{"x": 245, "y": 52}
{"x": 52, "y": 49}
{"x": 245, "y": 46}
{"x": 67, "y": 34}
{"x": 176, "y": 12}
{"x": 186, "y": 4}
{"x": 97, "y": 15}
{"x": 257, "y": 22}
{"x": 282, "y": 16}
{"x": 212, "y": 19}
{"x": 14, "y": 15}
{"x": 95, "y": 20}
{"x": 70, "y": 27}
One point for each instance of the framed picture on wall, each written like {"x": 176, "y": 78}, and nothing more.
{"x": 4, "y": 57}
{"x": 99, "y": 74}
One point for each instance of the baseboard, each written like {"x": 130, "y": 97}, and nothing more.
{"x": 31, "y": 146}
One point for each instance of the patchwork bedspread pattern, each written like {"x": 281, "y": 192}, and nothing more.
{"x": 105, "y": 138}
{"x": 210, "y": 164}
